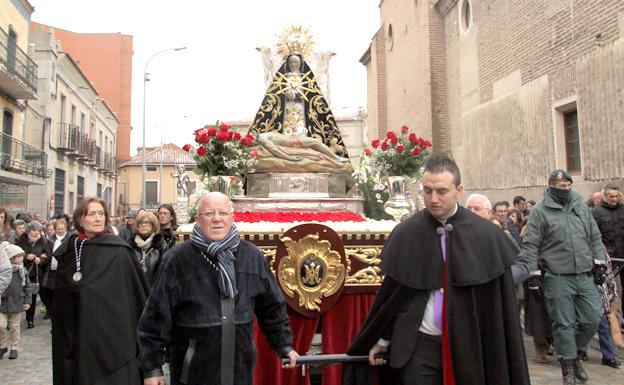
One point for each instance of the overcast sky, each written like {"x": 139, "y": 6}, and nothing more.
{"x": 219, "y": 75}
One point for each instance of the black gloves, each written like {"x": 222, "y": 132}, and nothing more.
{"x": 535, "y": 283}
{"x": 600, "y": 274}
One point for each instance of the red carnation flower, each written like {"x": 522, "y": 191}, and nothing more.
{"x": 202, "y": 138}
{"x": 200, "y": 131}
{"x": 391, "y": 135}
{"x": 375, "y": 143}
{"x": 253, "y": 153}
{"x": 384, "y": 146}
{"x": 416, "y": 151}
{"x": 222, "y": 136}
{"x": 201, "y": 151}
{"x": 224, "y": 127}
{"x": 394, "y": 140}
{"x": 212, "y": 132}
{"x": 367, "y": 152}
{"x": 187, "y": 147}
{"x": 236, "y": 136}
{"x": 230, "y": 135}
{"x": 400, "y": 148}
{"x": 404, "y": 128}
{"x": 413, "y": 138}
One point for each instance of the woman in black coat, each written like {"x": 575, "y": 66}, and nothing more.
{"x": 168, "y": 223}
{"x": 38, "y": 251}
{"x": 99, "y": 296}
{"x": 148, "y": 244}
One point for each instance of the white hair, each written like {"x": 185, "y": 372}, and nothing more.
{"x": 486, "y": 202}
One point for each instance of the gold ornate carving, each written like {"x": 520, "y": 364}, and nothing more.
{"x": 311, "y": 270}
{"x": 269, "y": 255}
{"x": 369, "y": 255}
{"x": 367, "y": 276}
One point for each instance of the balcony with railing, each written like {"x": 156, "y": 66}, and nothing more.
{"x": 109, "y": 164}
{"x": 99, "y": 159}
{"x": 68, "y": 138}
{"x": 91, "y": 157}
{"x": 18, "y": 72}
{"x": 21, "y": 158}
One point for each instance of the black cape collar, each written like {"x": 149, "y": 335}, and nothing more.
{"x": 478, "y": 251}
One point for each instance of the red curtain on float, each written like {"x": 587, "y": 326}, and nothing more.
{"x": 268, "y": 366}
{"x": 340, "y": 326}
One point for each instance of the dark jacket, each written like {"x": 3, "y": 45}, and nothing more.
{"x": 42, "y": 246}
{"x": 610, "y": 221}
{"x": 183, "y": 314}
{"x": 563, "y": 239}
{"x": 95, "y": 319}
{"x": 126, "y": 233}
{"x": 16, "y": 295}
{"x": 49, "y": 275}
{"x": 169, "y": 237}
{"x": 150, "y": 259}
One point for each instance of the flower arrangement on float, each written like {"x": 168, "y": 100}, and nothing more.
{"x": 221, "y": 152}
{"x": 399, "y": 155}
{"x": 223, "y": 158}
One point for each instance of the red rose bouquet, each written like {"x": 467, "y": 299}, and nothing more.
{"x": 220, "y": 151}
{"x": 397, "y": 155}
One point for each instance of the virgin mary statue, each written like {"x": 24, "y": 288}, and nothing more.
{"x": 294, "y": 104}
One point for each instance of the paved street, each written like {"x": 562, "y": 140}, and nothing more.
{"x": 34, "y": 367}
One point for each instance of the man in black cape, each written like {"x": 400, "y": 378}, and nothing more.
{"x": 472, "y": 335}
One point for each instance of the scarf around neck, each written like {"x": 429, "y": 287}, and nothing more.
{"x": 223, "y": 251}
{"x": 22, "y": 275}
{"x": 35, "y": 239}
{"x": 144, "y": 243}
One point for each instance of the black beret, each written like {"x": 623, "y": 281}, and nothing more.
{"x": 560, "y": 174}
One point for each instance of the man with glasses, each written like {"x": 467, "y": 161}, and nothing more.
{"x": 202, "y": 305}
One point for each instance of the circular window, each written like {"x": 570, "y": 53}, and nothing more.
{"x": 390, "y": 38}
{"x": 465, "y": 15}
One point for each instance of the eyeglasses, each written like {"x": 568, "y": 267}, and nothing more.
{"x": 212, "y": 214}
{"x": 144, "y": 223}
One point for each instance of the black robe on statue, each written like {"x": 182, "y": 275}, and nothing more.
{"x": 483, "y": 325}
{"x": 319, "y": 119}
{"x": 94, "y": 322}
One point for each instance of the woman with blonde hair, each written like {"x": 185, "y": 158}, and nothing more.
{"x": 148, "y": 244}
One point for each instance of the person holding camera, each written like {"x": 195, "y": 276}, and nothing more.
{"x": 563, "y": 237}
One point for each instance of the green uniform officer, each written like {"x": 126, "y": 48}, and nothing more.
{"x": 563, "y": 240}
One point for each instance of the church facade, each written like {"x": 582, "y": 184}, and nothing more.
{"x": 511, "y": 89}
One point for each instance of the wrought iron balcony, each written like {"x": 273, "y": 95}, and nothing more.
{"x": 68, "y": 138}
{"x": 20, "y": 158}
{"x": 18, "y": 72}
{"x": 91, "y": 158}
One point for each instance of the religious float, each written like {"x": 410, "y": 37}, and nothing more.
{"x": 303, "y": 205}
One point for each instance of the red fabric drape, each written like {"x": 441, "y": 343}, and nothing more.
{"x": 447, "y": 359}
{"x": 268, "y": 366}
{"x": 340, "y": 326}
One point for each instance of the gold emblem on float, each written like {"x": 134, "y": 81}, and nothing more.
{"x": 311, "y": 270}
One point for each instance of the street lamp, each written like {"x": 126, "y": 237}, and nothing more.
{"x": 145, "y": 80}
